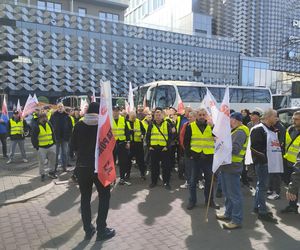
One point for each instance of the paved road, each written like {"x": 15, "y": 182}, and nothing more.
{"x": 143, "y": 219}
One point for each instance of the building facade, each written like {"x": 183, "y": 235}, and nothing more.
{"x": 268, "y": 29}
{"x": 67, "y": 53}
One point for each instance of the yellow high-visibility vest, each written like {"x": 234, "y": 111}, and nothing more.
{"x": 16, "y": 128}
{"x": 145, "y": 124}
{"x": 291, "y": 149}
{"x": 137, "y": 133}
{"x": 178, "y": 121}
{"x": 202, "y": 141}
{"x": 119, "y": 130}
{"x": 240, "y": 156}
{"x": 72, "y": 120}
{"x": 45, "y": 135}
{"x": 156, "y": 138}
{"x": 49, "y": 114}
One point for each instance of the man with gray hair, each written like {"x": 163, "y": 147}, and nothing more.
{"x": 267, "y": 158}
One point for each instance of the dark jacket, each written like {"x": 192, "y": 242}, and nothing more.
{"x": 62, "y": 125}
{"x": 149, "y": 130}
{"x": 3, "y": 125}
{"x": 187, "y": 143}
{"x": 35, "y": 131}
{"x": 83, "y": 141}
{"x": 259, "y": 144}
{"x": 16, "y": 137}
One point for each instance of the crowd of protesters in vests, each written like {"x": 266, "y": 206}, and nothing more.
{"x": 161, "y": 142}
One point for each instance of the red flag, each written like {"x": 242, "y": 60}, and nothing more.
{"x": 105, "y": 165}
{"x": 180, "y": 106}
{"x": 4, "y": 110}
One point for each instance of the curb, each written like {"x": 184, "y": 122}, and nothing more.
{"x": 29, "y": 195}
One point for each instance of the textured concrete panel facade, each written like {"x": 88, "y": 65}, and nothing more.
{"x": 73, "y": 54}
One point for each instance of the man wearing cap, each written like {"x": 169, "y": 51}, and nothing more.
{"x": 122, "y": 137}
{"x": 43, "y": 140}
{"x": 230, "y": 174}
{"x": 267, "y": 158}
{"x": 83, "y": 140}
{"x": 16, "y": 127}
{"x": 255, "y": 119}
{"x": 158, "y": 140}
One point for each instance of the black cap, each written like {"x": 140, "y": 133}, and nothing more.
{"x": 116, "y": 107}
{"x": 158, "y": 108}
{"x": 256, "y": 113}
{"x": 15, "y": 112}
{"x": 93, "y": 108}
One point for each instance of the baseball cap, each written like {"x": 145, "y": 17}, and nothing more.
{"x": 257, "y": 112}
{"x": 15, "y": 112}
{"x": 237, "y": 116}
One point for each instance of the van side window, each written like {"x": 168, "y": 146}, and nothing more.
{"x": 165, "y": 96}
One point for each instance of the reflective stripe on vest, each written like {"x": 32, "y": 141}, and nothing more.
{"x": 145, "y": 124}
{"x": 156, "y": 137}
{"x": 240, "y": 157}
{"x": 45, "y": 135}
{"x": 119, "y": 130}
{"x": 178, "y": 121}
{"x": 293, "y": 149}
{"x": 137, "y": 134}
{"x": 16, "y": 128}
{"x": 202, "y": 141}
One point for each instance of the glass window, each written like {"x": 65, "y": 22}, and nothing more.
{"x": 81, "y": 11}
{"x": 165, "y": 96}
{"x": 245, "y": 76}
{"x": 245, "y": 63}
{"x": 251, "y": 76}
{"x": 57, "y": 7}
{"x": 233, "y": 95}
{"x": 115, "y": 17}
{"x": 245, "y": 95}
{"x": 262, "y": 96}
{"x": 102, "y": 15}
{"x": 218, "y": 93}
{"x": 41, "y": 5}
{"x": 251, "y": 64}
{"x": 50, "y": 6}
{"x": 109, "y": 16}
{"x": 191, "y": 94}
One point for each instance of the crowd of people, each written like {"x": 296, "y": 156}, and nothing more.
{"x": 161, "y": 140}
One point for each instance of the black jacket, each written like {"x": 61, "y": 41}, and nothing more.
{"x": 62, "y": 125}
{"x": 17, "y": 137}
{"x": 35, "y": 134}
{"x": 83, "y": 142}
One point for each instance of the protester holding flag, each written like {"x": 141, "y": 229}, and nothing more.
{"x": 16, "y": 127}
{"x": 84, "y": 144}
{"x": 230, "y": 174}
{"x": 199, "y": 147}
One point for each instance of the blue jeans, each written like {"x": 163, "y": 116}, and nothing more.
{"x": 197, "y": 166}
{"x": 262, "y": 173}
{"x": 62, "y": 149}
{"x": 231, "y": 189}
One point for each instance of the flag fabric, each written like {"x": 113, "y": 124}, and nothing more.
{"x": 30, "y": 105}
{"x": 93, "y": 99}
{"x": 180, "y": 106}
{"x": 104, "y": 160}
{"x": 130, "y": 98}
{"x": 210, "y": 104}
{"x": 83, "y": 106}
{"x": 127, "y": 107}
{"x": 144, "y": 102}
{"x": 35, "y": 98}
{"x": 4, "y": 111}
{"x": 19, "y": 109}
{"x": 222, "y": 131}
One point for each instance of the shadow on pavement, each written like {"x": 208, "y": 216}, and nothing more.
{"x": 64, "y": 202}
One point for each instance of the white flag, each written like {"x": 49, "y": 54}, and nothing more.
{"x": 222, "y": 131}
{"x": 130, "y": 98}
{"x": 35, "y": 98}
{"x": 210, "y": 104}
{"x": 30, "y": 105}
{"x": 19, "y": 109}
{"x": 127, "y": 107}
{"x": 83, "y": 106}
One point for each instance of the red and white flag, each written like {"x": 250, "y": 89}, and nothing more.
{"x": 93, "y": 99}
{"x": 180, "y": 106}
{"x": 104, "y": 159}
{"x": 30, "y": 105}
{"x": 222, "y": 131}
{"x": 4, "y": 111}
{"x": 127, "y": 107}
{"x": 210, "y": 104}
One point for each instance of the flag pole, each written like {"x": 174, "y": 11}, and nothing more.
{"x": 209, "y": 196}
